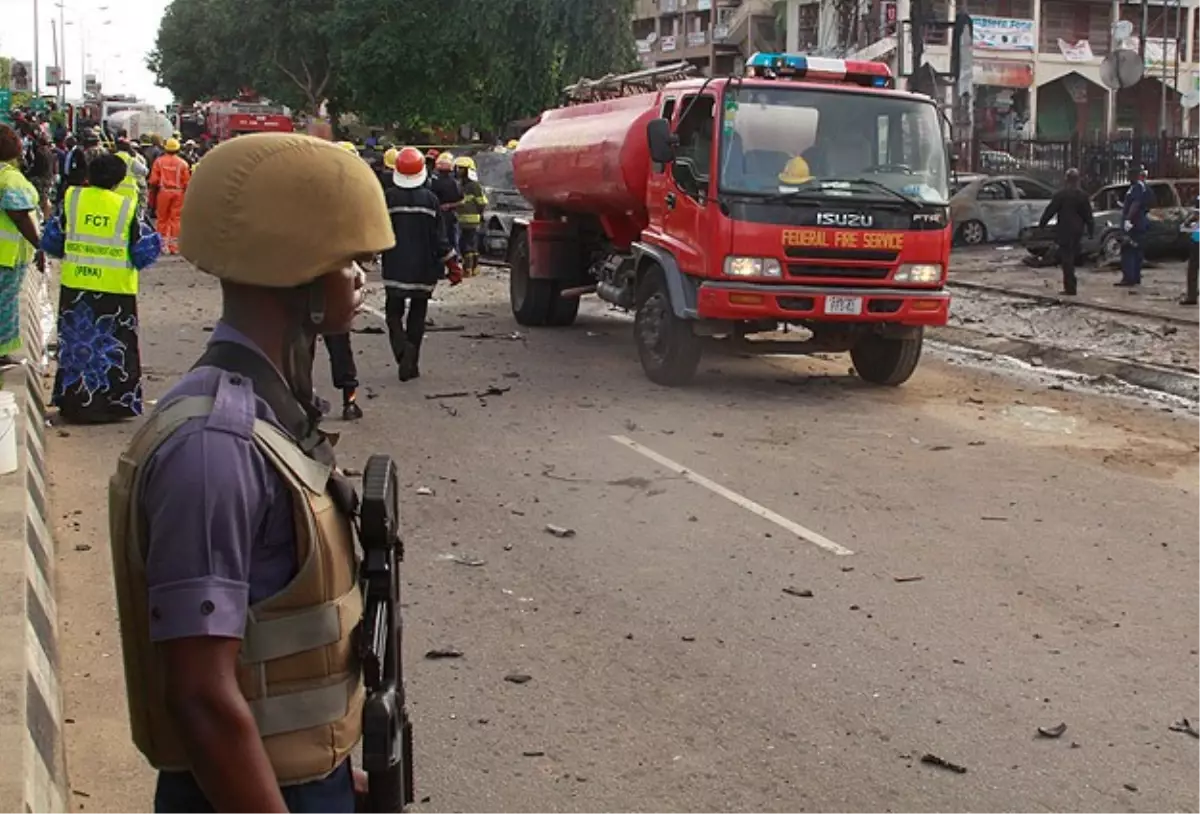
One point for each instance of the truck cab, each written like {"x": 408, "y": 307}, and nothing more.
{"x": 808, "y": 193}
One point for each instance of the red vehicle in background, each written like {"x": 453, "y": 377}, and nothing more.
{"x": 808, "y": 193}
{"x": 228, "y": 119}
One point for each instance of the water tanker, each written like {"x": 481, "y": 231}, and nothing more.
{"x": 809, "y": 193}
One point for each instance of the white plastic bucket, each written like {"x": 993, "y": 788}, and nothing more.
{"x": 8, "y": 432}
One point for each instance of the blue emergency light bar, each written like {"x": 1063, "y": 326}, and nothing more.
{"x": 820, "y": 69}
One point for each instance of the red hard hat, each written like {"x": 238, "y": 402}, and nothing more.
{"x": 410, "y": 168}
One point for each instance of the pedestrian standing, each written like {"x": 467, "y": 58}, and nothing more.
{"x": 103, "y": 246}
{"x": 134, "y": 185}
{"x": 412, "y": 269}
{"x": 74, "y": 167}
{"x": 19, "y": 239}
{"x": 168, "y": 181}
{"x": 450, "y": 195}
{"x": 1135, "y": 221}
{"x": 1074, "y": 212}
{"x": 41, "y": 171}
{"x": 235, "y": 559}
{"x": 470, "y": 213}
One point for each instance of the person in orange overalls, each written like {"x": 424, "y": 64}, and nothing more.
{"x": 168, "y": 181}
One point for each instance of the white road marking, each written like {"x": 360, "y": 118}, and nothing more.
{"x": 806, "y": 534}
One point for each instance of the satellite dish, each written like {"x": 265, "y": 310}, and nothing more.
{"x": 1122, "y": 30}
{"x": 1121, "y": 69}
{"x": 1190, "y": 100}
{"x": 652, "y": 37}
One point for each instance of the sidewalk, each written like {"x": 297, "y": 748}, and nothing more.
{"x": 994, "y": 268}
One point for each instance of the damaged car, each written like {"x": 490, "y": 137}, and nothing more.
{"x": 996, "y": 208}
{"x": 505, "y": 203}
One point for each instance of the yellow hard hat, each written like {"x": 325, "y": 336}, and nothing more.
{"x": 465, "y": 162}
{"x": 445, "y": 161}
{"x": 280, "y": 210}
{"x": 796, "y": 171}
{"x": 172, "y": 145}
{"x": 389, "y": 158}
{"x": 512, "y": 144}
{"x": 348, "y": 146}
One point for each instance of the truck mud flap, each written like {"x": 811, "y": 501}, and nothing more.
{"x": 680, "y": 287}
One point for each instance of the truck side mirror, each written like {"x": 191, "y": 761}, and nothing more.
{"x": 662, "y": 142}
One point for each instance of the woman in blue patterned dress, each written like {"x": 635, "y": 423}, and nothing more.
{"x": 99, "y": 377}
{"x": 18, "y": 239}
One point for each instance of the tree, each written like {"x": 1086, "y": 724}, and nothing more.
{"x": 192, "y": 56}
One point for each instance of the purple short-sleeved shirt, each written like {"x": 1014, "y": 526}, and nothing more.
{"x": 218, "y": 516}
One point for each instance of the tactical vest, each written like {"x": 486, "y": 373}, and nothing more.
{"x": 96, "y": 249}
{"x": 128, "y": 188}
{"x": 470, "y": 211}
{"x": 298, "y": 667}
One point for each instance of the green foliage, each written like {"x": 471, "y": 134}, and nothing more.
{"x": 417, "y": 64}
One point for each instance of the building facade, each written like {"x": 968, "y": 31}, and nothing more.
{"x": 714, "y": 35}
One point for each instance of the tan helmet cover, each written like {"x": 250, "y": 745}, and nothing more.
{"x": 280, "y": 210}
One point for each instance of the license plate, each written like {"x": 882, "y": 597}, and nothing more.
{"x": 850, "y": 306}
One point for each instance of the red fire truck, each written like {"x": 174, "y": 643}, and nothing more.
{"x": 228, "y": 119}
{"x": 808, "y": 193}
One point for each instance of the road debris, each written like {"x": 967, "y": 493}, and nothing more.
{"x": 82, "y": 547}
{"x": 518, "y": 678}
{"x": 533, "y": 753}
{"x": 425, "y": 491}
{"x": 1185, "y": 726}
{"x": 996, "y": 517}
{"x": 913, "y": 578}
{"x": 509, "y": 337}
{"x": 941, "y": 448}
{"x": 804, "y": 593}
{"x": 942, "y": 763}
{"x": 1129, "y": 786}
{"x": 444, "y": 653}
{"x": 688, "y": 638}
{"x": 446, "y": 329}
{"x": 492, "y": 390}
{"x": 369, "y": 329}
{"x": 453, "y": 412}
{"x": 472, "y": 562}
{"x": 457, "y": 394}
{"x": 560, "y": 531}
{"x": 1052, "y": 731}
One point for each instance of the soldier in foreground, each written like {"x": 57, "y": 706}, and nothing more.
{"x": 232, "y": 542}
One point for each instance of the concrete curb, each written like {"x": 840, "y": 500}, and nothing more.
{"x": 31, "y": 719}
{"x": 1054, "y": 299}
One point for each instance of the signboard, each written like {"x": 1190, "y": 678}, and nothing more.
{"x": 5, "y": 104}
{"x": 90, "y": 85}
{"x": 38, "y": 105}
{"x": 1003, "y": 34}
{"x": 53, "y": 74}
{"x": 887, "y": 17}
{"x": 1076, "y": 52}
{"x": 1003, "y": 74}
{"x": 21, "y": 77}
{"x": 1158, "y": 50}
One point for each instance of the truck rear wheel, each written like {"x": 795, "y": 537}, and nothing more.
{"x": 669, "y": 351}
{"x": 887, "y": 360}
{"x": 530, "y": 298}
{"x": 563, "y": 310}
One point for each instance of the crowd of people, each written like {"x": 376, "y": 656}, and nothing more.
{"x": 108, "y": 208}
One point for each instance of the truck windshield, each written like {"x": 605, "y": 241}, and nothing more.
{"x": 807, "y": 140}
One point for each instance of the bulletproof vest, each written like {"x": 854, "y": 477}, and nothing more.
{"x": 298, "y": 667}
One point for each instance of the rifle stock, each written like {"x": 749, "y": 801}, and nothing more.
{"x": 387, "y": 731}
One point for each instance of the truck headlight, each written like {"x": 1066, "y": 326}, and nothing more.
{"x": 919, "y": 273}
{"x": 752, "y": 267}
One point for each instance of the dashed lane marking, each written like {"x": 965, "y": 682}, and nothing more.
{"x": 804, "y": 533}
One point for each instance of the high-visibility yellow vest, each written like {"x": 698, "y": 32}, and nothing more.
{"x": 96, "y": 252}
{"x": 128, "y": 186}
{"x": 15, "y": 250}
{"x": 470, "y": 212}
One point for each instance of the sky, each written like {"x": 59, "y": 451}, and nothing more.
{"x": 116, "y": 53}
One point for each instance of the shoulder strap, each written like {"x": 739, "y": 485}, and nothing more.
{"x": 299, "y": 420}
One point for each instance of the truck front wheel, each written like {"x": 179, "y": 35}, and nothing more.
{"x": 669, "y": 351}
{"x": 887, "y": 360}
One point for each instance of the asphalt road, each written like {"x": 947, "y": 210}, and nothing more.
{"x": 985, "y": 556}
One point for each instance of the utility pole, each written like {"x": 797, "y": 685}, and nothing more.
{"x": 37, "y": 63}
{"x": 54, "y": 43}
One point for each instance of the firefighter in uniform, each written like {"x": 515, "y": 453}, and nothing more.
{"x": 168, "y": 181}
{"x": 232, "y": 541}
{"x": 470, "y": 213}
{"x": 133, "y": 185}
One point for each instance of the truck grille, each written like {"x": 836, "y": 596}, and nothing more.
{"x": 863, "y": 255}
{"x": 842, "y": 272}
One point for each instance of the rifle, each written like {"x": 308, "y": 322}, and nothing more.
{"x": 387, "y": 730}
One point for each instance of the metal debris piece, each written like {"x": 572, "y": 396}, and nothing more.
{"x": 1052, "y": 731}
{"x": 942, "y": 763}
{"x": 518, "y": 678}
{"x": 1129, "y": 786}
{"x": 492, "y": 390}
{"x": 425, "y": 491}
{"x": 998, "y": 517}
{"x": 533, "y": 753}
{"x": 560, "y": 531}
{"x": 1185, "y": 726}
{"x": 457, "y": 394}
{"x": 473, "y": 562}
{"x": 804, "y": 593}
{"x": 688, "y": 638}
{"x": 913, "y": 578}
{"x": 940, "y": 448}
{"x": 444, "y": 653}
{"x": 83, "y": 547}
{"x": 433, "y": 329}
